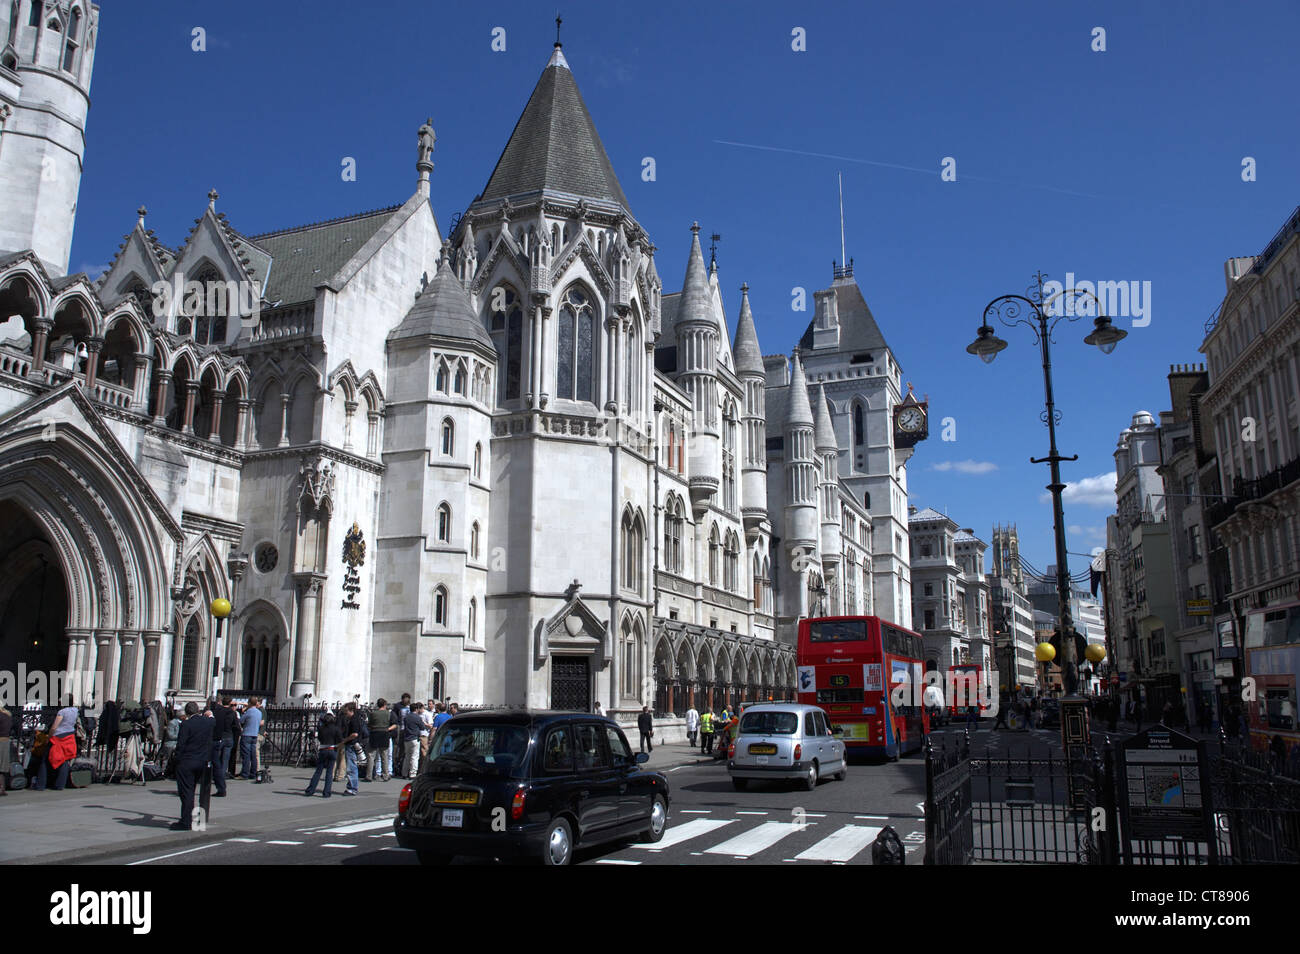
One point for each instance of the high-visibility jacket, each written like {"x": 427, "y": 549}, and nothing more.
{"x": 706, "y": 723}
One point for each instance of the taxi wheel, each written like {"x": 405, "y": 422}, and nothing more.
{"x": 810, "y": 780}
{"x": 658, "y": 821}
{"x": 740, "y": 784}
{"x": 557, "y": 845}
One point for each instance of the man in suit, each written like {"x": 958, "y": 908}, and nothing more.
{"x": 225, "y": 725}
{"x": 193, "y": 750}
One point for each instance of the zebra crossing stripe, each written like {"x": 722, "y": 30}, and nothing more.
{"x": 358, "y": 827}
{"x": 842, "y": 845}
{"x": 755, "y": 840}
{"x": 692, "y": 829}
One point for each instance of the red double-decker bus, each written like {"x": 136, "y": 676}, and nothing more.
{"x": 849, "y": 666}
{"x": 965, "y": 680}
{"x": 1272, "y": 653}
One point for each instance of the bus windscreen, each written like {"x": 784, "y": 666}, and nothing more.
{"x": 837, "y": 631}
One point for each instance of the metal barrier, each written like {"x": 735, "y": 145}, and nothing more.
{"x": 1044, "y": 810}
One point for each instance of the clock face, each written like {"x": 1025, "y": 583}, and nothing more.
{"x": 910, "y": 419}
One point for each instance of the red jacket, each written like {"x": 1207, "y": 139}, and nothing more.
{"x": 63, "y": 748}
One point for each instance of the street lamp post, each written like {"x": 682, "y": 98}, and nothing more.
{"x": 1012, "y": 310}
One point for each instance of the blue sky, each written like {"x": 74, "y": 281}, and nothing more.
{"x": 1116, "y": 165}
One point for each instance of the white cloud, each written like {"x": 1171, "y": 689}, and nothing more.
{"x": 1088, "y": 535}
{"x": 965, "y": 466}
{"x": 1096, "y": 491}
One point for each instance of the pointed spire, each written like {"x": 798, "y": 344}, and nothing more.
{"x": 213, "y": 196}
{"x": 749, "y": 358}
{"x": 824, "y": 436}
{"x": 142, "y": 212}
{"x": 798, "y": 412}
{"x": 695, "y": 304}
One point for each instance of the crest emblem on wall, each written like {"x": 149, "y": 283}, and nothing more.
{"x": 354, "y": 547}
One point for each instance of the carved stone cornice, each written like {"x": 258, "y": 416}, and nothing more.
{"x": 316, "y": 482}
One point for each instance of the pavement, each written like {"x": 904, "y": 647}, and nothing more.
{"x": 79, "y": 825}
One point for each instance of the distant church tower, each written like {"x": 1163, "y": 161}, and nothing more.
{"x": 45, "y": 67}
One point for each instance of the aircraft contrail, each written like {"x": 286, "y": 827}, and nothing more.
{"x": 894, "y": 165}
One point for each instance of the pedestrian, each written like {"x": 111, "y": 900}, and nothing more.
{"x": 973, "y": 716}
{"x": 399, "y": 718}
{"x": 250, "y": 725}
{"x": 62, "y": 750}
{"x": 341, "y": 763}
{"x": 706, "y": 731}
{"x": 645, "y": 722}
{"x": 1167, "y": 713}
{"x": 442, "y": 716}
{"x": 412, "y": 728}
{"x": 598, "y": 710}
{"x": 225, "y": 725}
{"x": 328, "y": 738}
{"x": 381, "y": 725}
{"x": 1277, "y": 754}
{"x": 427, "y": 715}
{"x": 6, "y": 727}
{"x": 692, "y": 725}
{"x": 193, "y": 752}
{"x": 351, "y": 728}
{"x": 1003, "y": 703}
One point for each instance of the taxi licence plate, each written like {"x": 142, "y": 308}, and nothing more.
{"x": 453, "y": 818}
{"x": 455, "y": 798}
{"x": 762, "y": 750}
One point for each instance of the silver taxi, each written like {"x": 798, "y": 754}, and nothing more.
{"x": 788, "y": 741}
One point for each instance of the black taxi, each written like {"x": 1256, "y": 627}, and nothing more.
{"x": 528, "y": 784}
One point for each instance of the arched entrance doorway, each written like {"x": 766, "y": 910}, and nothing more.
{"x": 33, "y": 596}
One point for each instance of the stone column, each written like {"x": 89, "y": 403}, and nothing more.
{"x": 160, "y": 397}
{"x": 241, "y": 426}
{"x": 535, "y": 357}
{"x": 349, "y": 412}
{"x": 218, "y": 399}
{"x": 607, "y": 366}
{"x": 284, "y": 419}
{"x": 545, "y": 314}
{"x": 126, "y": 687}
{"x": 151, "y": 639}
{"x": 305, "y": 650}
{"x": 178, "y": 655}
{"x": 191, "y": 394}
{"x": 93, "y": 347}
{"x": 105, "y": 662}
{"x": 40, "y": 337}
{"x": 76, "y": 681}
{"x": 372, "y": 436}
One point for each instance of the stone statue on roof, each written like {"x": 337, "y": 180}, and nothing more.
{"x": 427, "y": 139}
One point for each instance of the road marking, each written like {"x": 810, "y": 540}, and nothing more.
{"x": 812, "y": 815}
{"x": 615, "y": 861}
{"x": 751, "y": 813}
{"x": 873, "y": 817}
{"x": 695, "y": 811}
{"x": 246, "y": 841}
{"x": 358, "y": 827}
{"x": 842, "y": 845}
{"x": 175, "y": 853}
{"x": 387, "y": 834}
{"x": 336, "y": 845}
{"x": 284, "y": 843}
{"x": 755, "y": 840}
{"x": 692, "y": 829}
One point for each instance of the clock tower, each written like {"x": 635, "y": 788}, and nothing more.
{"x": 876, "y": 427}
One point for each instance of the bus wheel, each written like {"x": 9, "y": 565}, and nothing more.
{"x": 810, "y": 780}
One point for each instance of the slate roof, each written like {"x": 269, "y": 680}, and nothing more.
{"x": 443, "y": 309}
{"x": 858, "y": 328}
{"x": 745, "y": 350}
{"x": 929, "y": 513}
{"x": 555, "y": 145}
{"x": 696, "y": 302}
{"x": 302, "y": 258}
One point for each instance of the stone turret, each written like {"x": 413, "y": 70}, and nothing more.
{"x": 828, "y": 473}
{"x": 697, "y": 350}
{"x": 753, "y": 377}
{"x": 802, "y": 480}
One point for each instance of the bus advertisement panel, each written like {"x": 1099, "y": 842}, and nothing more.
{"x": 851, "y": 667}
